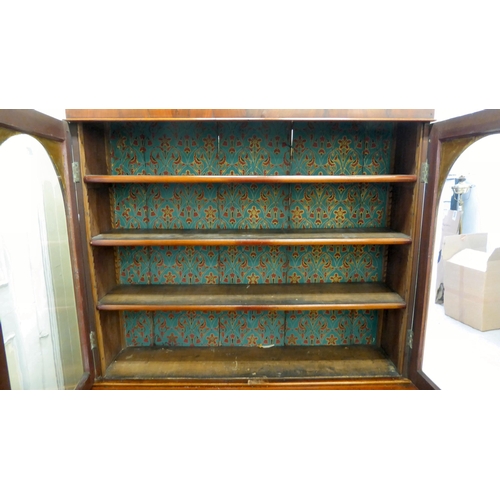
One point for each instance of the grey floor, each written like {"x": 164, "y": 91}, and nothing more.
{"x": 458, "y": 357}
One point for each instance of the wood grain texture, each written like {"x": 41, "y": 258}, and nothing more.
{"x": 403, "y": 214}
{"x": 93, "y": 149}
{"x": 377, "y": 384}
{"x": 29, "y": 121}
{"x": 86, "y": 382}
{"x": 137, "y": 237}
{"x": 286, "y": 297}
{"x": 248, "y": 114}
{"x": 253, "y": 364}
{"x": 101, "y": 262}
{"x": 253, "y": 179}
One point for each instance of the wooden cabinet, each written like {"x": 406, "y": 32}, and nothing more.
{"x": 239, "y": 247}
{"x": 250, "y": 248}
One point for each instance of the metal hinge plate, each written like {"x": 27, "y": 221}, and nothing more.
{"x": 76, "y": 171}
{"x": 409, "y": 338}
{"x": 93, "y": 341}
{"x": 425, "y": 172}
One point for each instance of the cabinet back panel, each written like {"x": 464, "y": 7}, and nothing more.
{"x": 250, "y": 148}
{"x": 250, "y": 328}
{"x": 249, "y": 206}
{"x": 163, "y": 265}
{"x": 341, "y": 148}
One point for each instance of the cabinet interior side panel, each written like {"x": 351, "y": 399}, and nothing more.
{"x": 399, "y": 279}
{"x": 98, "y": 202}
{"x": 407, "y": 138}
{"x": 403, "y": 218}
{"x": 94, "y": 154}
{"x": 111, "y": 342}
{"x": 392, "y": 341}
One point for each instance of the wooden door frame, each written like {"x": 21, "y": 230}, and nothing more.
{"x": 4, "y": 369}
{"x": 54, "y": 136}
{"x": 448, "y": 140}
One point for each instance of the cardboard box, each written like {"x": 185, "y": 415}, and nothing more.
{"x": 450, "y": 226}
{"x": 472, "y": 281}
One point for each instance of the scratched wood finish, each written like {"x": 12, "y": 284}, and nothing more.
{"x": 402, "y": 214}
{"x": 365, "y": 384}
{"x": 286, "y": 297}
{"x": 97, "y": 207}
{"x": 249, "y": 114}
{"x": 255, "y": 179}
{"x": 137, "y": 237}
{"x": 252, "y": 364}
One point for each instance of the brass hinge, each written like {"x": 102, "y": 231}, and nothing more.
{"x": 425, "y": 172}
{"x": 409, "y": 338}
{"x": 76, "y": 171}
{"x": 93, "y": 340}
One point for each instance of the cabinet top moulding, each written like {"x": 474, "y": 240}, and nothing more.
{"x": 420, "y": 115}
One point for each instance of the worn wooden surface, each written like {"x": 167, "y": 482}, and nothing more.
{"x": 28, "y": 121}
{"x": 93, "y": 149}
{"x": 285, "y": 297}
{"x": 370, "y": 384}
{"x": 403, "y": 214}
{"x": 230, "y": 237}
{"x": 97, "y": 210}
{"x": 252, "y": 363}
{"x": 248, "y": 179}
{"x": 249, "y": 114}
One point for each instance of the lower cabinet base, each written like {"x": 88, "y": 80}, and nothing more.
{"x": 287, "y": 367}
{"x": 350, "y": 384}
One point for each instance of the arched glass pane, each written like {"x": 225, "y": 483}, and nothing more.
{"x": 458, "y": 354}
{"x": 37, "y": 301}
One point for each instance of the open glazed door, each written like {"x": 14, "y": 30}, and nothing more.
{"x": 66, "y": 314}
{"x": 448, "y": 140}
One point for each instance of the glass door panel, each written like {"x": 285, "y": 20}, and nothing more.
{"x": 459, "y": 197}
{"x": 37, "y": 301}
{"x": 453, "y": 338}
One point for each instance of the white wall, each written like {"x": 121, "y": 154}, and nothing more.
{"x": 480, "y": 164}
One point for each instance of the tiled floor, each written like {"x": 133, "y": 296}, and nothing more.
{"x": 458, "y": 357}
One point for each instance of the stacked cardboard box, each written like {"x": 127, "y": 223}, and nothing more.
{"x": 472, "y": 281}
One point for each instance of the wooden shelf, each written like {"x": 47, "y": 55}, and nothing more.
{"x": 266, "y": 179}
{"x": 159, "y": 237}
{"x": 254, "y": 364}
{"x": 280, "y": 297}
